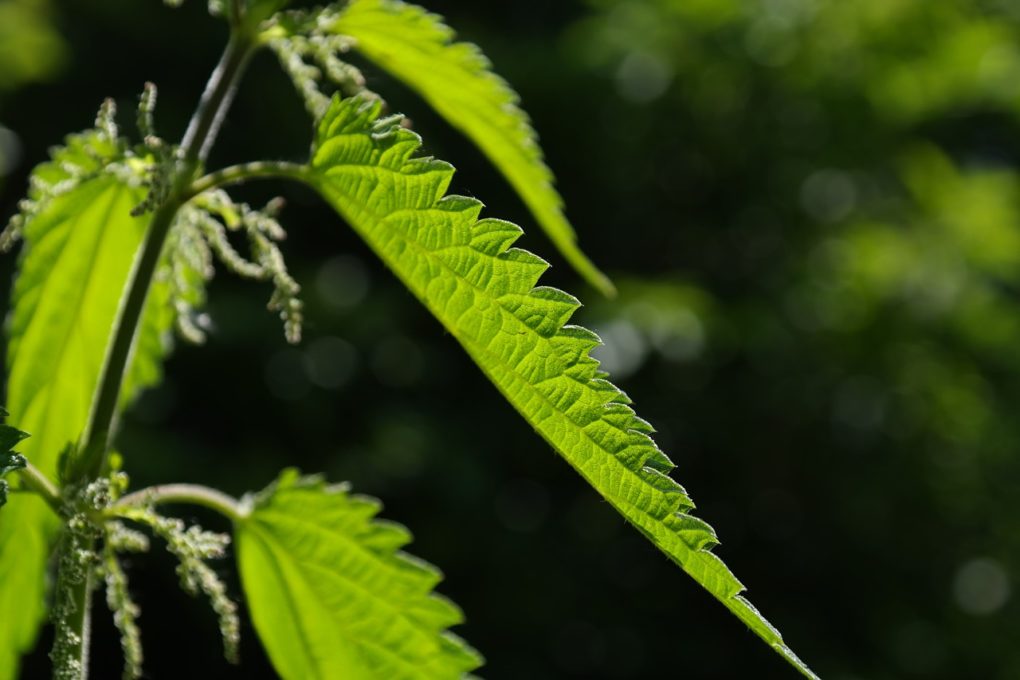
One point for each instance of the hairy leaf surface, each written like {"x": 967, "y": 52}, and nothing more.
{"x": 484, "y": 292}
{"x": 456, "y": 79}
{"x": 332, "y": 595}
{"x": 79, "y": 248}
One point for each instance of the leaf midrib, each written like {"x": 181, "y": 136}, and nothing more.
{"x": 628, "y": 509}
{"x": 503, "y": 311}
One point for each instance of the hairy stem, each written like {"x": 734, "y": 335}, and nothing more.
{"x": 197, "y": 141}
{"x": 238, "y": 174}
{"x": 72, "y": 609}
{"x": 216, "y": 100}
{"x": 195, "y": 147}
{"x": 192, "y": 494}
{"x": 35, "y": 481}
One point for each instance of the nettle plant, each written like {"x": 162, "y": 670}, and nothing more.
{"x": 120, "y": 237}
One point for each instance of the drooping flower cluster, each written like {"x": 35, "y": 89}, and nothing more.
{"x": 309, "y": 51}
{"x": 203, "y": 230}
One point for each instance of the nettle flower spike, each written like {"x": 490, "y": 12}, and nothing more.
{"x": 189, "y": 265}
{"x": 202, "y": 234}
{"x": 308, "y": 51}
{"x": 125, "y": 610}
{"x": 84, "y": 157}
{"x": 106, "y": 122}
{"x": 306, "y": 77}
{"x": 161, "y": 158}
{"x": 146, "y": 111}
{"x": 193, "y": 547}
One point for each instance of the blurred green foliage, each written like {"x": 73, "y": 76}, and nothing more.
{"x": 30, "y": 48}
{"x": 822, "y": 321}
{"x": 30, "y": 51}
{"x": 860, "y": 159}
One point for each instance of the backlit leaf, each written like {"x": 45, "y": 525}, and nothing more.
{"x": 484, "y": 292}
{"x": 457, "y": 80}
{"x": 333, "y": 596}
{"x": 80, "y": 243}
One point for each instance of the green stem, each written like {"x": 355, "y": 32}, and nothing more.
{"x": 73, "y": 644}
{"x": 237, "y": 174}
{"x": 34, "y": 480}
{"x": 192, "y": 494}
{"x": 195, "y": 147}
{"x": 72, "y": 609}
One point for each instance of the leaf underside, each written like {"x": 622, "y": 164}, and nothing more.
{"x": 457, "y": 80}
{"x": 484, "y": 292}
{"x": 79, "y": 249}
{"x": 333, "y": 596}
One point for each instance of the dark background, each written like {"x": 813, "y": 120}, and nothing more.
{"x": 811, "y": 209}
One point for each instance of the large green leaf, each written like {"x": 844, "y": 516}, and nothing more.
{"x": 457, "y": 80}
{"x": 483, "y": 291}
{"x": 79, "y": 248}
{"x": 332, "y": 595}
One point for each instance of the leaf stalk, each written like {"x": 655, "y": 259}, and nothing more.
{"x": 36, "y": 482}
{"x": 238, "y": 174}
{"x": 193, "y": 494}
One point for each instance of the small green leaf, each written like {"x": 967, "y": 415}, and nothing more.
{"x": 333, "y": 596}
{"x": 9, "y": 438}
{"x": 456, "y": 79}
{"x": 9, "y": 460}
{"x": 484, "y": 292}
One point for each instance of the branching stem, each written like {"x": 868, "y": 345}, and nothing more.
{"x": 195, "y": 148}
{"x": 192, "y": 494}
{"x": 197, "y": 141}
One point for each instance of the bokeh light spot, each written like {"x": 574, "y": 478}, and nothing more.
{"x": 342, "y": 282}
{"x": 981, "y": 586}
{"x": 330, "y": 362}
